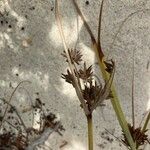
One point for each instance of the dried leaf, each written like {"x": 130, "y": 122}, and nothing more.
{"x": 51, "y": 123}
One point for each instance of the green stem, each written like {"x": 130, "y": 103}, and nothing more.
{"x": 115, "y": 101}
{"x": 90, "y": 131}
{"x": 146, "y": 122}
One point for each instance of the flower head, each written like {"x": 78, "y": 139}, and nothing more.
{"x": 75, "y": 56}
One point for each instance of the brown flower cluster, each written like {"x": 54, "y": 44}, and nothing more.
{"x": 140, "y": 137}
{"x": 75, "y": 56}
{"x": 92, "y": 91}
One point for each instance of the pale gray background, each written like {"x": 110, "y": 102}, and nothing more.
{"x": 30, "y": 48}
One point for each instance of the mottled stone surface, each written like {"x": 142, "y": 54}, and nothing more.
{"x": 30, "y": 48}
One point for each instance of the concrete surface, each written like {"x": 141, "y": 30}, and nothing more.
{"x": 30, "y": 49}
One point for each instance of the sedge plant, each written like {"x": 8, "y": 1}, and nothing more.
{"x": 90, "y": 93}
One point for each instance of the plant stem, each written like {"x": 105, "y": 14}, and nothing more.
{"x": 12, "y": 94}
{"x": 133, "y": 111}
{"x": 71, "y": 66}
{"x": 90, "y": 131}
{"x": 146, "y": 122}
{"x": 115, "y": 102}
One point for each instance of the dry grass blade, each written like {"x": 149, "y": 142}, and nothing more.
{"x": 119, "y": 140}
{"x": 31, "y": 104}
{"x": 84, "y": 21}
{"x": 8, "y": 102}
{"x": 133, "y": 114}
{"x": 100, "y": 25}
{"x": 123, "y": 23}
{"x": 77, "y": 87}
{"x": 99, "y": 51}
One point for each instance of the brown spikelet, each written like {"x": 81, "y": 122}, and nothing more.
{"x": 139, "y": 136}
{"x": 68, "y": 77}
{"x": 75, "y": 56}
{"x": 85, "y": 73}
{"x": 91, "y": 93}
{"x": 109, "y": 66}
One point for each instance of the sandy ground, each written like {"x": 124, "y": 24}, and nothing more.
{"x": 30, "y": 48}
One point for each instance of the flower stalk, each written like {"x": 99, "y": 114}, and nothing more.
{"x": 90, "y": 131}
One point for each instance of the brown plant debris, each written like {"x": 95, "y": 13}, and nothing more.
{"x": 64, "y": 143}
{"x": 15, "y": 135}
{"x": 12, "y": 141}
